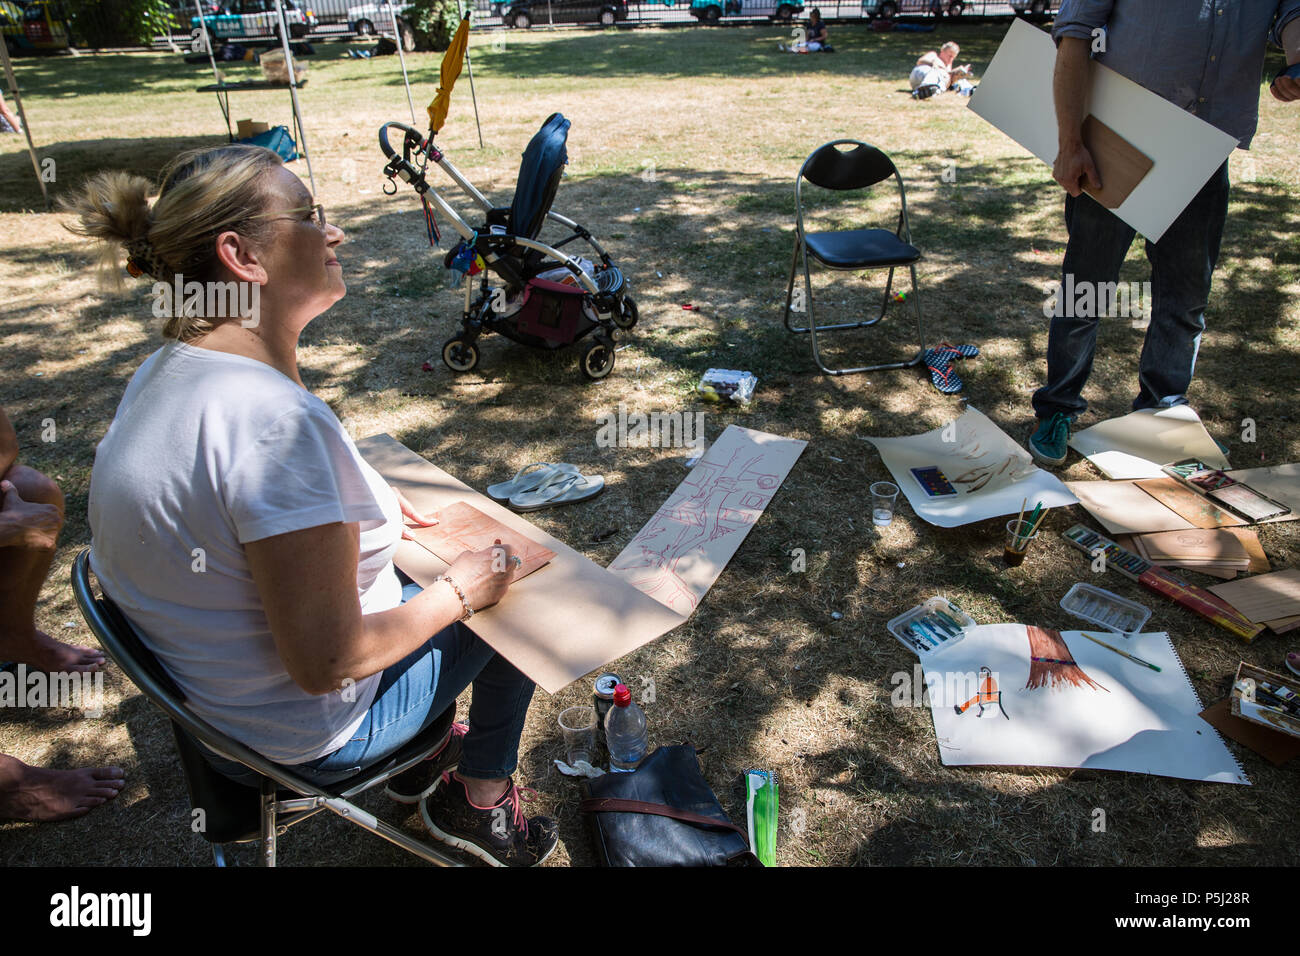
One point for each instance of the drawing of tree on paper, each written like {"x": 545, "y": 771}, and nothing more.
{"x": 681, "y": 550}
{"x": 1051, "y": 664}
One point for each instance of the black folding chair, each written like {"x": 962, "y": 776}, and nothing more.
{"x": 852, "y": 249}
{"x": 231, "y": 811}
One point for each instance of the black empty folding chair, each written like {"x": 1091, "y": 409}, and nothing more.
{"x": 853, "y": 249}
{"x": 233, "y": 812}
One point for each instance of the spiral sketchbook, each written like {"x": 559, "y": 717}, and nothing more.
{"x": 1013, "y": 695}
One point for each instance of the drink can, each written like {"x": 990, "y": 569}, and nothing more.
{"x": 602, "y": 699}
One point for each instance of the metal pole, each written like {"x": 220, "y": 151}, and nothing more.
{"x": 22, "y": 118}
{"x": 469, "y": 67}
{"x": 397, "y": 34}
{"x": 293, "y": 93}
{"x": 222, "y": 101}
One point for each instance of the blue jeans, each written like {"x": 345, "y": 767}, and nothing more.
{"x": 413, "y": 693}
{"x": 1182, "y": 263}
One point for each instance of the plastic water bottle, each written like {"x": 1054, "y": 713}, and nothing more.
{"x": 625, "y": 732}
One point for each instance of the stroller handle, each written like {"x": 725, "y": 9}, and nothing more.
{"x": 411, "y": 141}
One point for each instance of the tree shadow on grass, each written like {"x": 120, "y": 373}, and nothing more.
{"x": 764, "y": 644}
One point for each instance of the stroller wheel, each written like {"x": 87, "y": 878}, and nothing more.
{"x": 597, "y": 360}
{"x": 460, "y": 355}
{"x": 625, "y": 315}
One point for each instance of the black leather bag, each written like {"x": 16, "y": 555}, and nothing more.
{"x": 662, "y": 814}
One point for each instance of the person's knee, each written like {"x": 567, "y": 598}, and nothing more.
{"x": 36, "y": 486}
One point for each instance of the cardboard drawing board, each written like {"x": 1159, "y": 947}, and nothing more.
{"x": 1015, "y": 95}
{"x": 1264, "y": 597}
{"x": 685, "y": 545}
{"x": 1100, "y": 710}
{"x": 1120, "y": 164}
{"x": 992, "y": 474}
{"x": 1137, "y": 444}
{"x": 1185, "y": 503}
{"x": 558, "y": 624}
{"x": 1122, "y": 507}
{"x": 573, "y": 616}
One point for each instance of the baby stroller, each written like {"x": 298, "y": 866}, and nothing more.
{"x": 545, "y": 299}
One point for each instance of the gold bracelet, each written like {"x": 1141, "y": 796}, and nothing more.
{"x": 464, "y": 601}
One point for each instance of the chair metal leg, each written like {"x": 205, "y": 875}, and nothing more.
{"x": 813, "y": 329}
{"x": 268, "y": 821}
{"x": 378, "y": 827}
{"x": 789, "y": 288}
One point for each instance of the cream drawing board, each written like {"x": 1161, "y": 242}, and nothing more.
{"x": 1015, "y": 95}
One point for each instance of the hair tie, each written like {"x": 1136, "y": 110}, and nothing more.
{"x": 142, "y": 259}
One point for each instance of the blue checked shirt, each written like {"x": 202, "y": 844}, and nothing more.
{"x": 1206, "y": 56}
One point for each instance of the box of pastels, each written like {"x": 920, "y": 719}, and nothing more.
{"x": 1105, "y": 608}
{"x": 930, "y": 627}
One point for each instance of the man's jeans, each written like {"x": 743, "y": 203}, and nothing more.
{"x": 414, "y": 692}
{"x": 1182, "y": 263}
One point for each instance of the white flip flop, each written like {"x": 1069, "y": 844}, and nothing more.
{"x": 528, "y": 478}
{"x": 561, "y": 488}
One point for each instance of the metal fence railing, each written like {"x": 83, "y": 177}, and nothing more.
{"x": 339, "y": 18}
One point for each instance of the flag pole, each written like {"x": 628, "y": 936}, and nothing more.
{"x": 469, "y": 67}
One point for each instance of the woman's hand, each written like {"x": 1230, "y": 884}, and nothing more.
{"x": 484, "y": 575}
{"x": 408, "y": 511}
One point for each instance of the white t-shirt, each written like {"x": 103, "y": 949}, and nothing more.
{"x": 210, "y": 451}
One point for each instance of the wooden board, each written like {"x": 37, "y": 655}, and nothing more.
{"x": 461, "y": 527}
{"x": 1197, "y": 546}
{"x": 1187, "y": 504}
{"x": 1120, "y": 164}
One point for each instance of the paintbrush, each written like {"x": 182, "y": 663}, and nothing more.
{"x": 1122, "y": 653}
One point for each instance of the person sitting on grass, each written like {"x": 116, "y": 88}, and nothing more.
{"x": 8, "y": 121}
{"x": 239, "y": 529}
{"x": 934, "y": 70}
{"x": 816, "y": 38}
{"x": 31, "y": 516}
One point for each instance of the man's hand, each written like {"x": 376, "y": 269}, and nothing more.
{"x": 27, "y": 524}
{"x": 1074, "y": 168}
{"x": 1286, "y": 88}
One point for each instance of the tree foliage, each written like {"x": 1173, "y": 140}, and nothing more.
{"x": 106, "y": 23}
{"x": 434, "y": 23}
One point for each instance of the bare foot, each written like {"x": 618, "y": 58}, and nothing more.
{"x": 43, "y": 652}
{"x": 41, "y": 796}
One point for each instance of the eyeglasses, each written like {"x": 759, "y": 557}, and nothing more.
{"x": 317, "y": 220}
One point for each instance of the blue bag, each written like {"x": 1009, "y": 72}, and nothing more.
{"x": 276, "y": 139}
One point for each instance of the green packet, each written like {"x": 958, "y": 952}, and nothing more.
{"x": 761, "y": 813}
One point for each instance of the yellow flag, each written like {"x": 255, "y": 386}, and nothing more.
{"x": 451, "y": 64}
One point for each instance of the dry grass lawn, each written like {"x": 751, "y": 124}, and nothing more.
{"x": 682, "y": 156}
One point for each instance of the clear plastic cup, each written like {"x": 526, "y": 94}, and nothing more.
{"x": 578, "y": 724}
{"x": 1017, "y": 542}
{"x": 883, "y": 496}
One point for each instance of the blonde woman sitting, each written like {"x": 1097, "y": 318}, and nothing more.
{"x": 241, "y": 532}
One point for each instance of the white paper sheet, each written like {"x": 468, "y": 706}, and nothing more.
{"x": 1136, "y": 719}
{"x": 1015, "y": 95}
{"x": 970, "y": 445}
{"x": 1137, "y": 444}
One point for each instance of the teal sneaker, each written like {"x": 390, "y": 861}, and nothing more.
{"x": 1048, "y": 445}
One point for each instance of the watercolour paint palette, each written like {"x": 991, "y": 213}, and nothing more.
{"x": 930, "y": 627}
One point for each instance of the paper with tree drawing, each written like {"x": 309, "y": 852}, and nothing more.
{"x": 1078, "y": 705}
{"x": 681, "y": 550}
{"x": 1015, "y": 95}
{"x": 992, "y": 474}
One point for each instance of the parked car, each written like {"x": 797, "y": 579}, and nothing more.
{"x": 710, "y": 11}
{"x": 888, "y": 9}
{"x": 39, "y": 26}
{"x": 1038, "y": 9}
{"x": 371, "y": 18}
{"x": 241, "y": 19}
{"x": 524, "y": 13}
